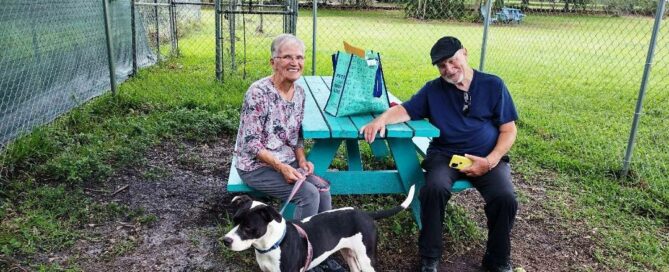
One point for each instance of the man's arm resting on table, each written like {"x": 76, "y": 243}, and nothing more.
{"x": 289, "y": 173}
{"x": 394, "y": 115}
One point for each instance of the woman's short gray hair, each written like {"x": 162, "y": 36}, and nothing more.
{"x": 283, "y": 39}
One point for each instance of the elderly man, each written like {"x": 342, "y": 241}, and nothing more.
{"x": 476, "y": 117}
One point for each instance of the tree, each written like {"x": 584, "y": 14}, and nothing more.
{"x": 498, "y": 4}
{"x": 436, "y": 9}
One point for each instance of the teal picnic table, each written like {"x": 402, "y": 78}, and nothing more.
{"x": 329, "y": 132}
{"x": 406, "y": 141}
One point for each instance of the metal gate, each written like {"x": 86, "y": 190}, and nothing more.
{"x": 240, "y": 15}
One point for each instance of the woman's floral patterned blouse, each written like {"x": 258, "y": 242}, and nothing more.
{"x": 267, "y": 121}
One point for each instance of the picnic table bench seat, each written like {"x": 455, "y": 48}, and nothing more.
{"x": 329, "y": 132}
{"x": 236, "y": 185}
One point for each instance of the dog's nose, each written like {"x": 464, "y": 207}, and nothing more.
{"x": 227, "y": 241}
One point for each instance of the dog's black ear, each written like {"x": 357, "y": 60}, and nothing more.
{"x": 268, "y": 214}
{"x": 242, "y": 201}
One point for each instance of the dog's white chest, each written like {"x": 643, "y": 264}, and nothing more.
{"x": 270, "y": 261}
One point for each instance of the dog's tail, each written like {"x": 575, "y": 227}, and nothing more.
{"x": 395, "y": 210}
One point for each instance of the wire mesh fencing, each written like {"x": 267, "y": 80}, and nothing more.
{"x": 54, "y": 58}
{"x": 182, "y": 35}
{"x": 574, "y": 67}
{"x": 582, "y": 64}
{"x": 247, "y": 31}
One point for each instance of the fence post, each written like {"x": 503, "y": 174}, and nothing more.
{"x": 155, "y": 13}
{"x": 173, "y": 28}
{"x": 285, "y": 19}
{"x": 134, "y": 37}
{"x": 110, "y": 53}
{"x": 314, "y": 13}
{"x": 232, "y": 23}
{"x": 219, "y": 65}
{"x": 659, "y": 12}
{"x": 486, "y": 24}
{"x": 294, "y": 17}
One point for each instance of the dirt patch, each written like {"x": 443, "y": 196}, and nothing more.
{"x": 180, "y": 193}
{"x": 541, "y": 241}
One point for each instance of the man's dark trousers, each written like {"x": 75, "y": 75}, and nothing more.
{"x": 500, "y": 208}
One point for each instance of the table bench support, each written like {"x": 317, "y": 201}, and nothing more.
{"x": 322, "y": 152}
{"x": 353, "y": 153}
{"x": 409, "y": 170}
{"x": 379, "y": 149}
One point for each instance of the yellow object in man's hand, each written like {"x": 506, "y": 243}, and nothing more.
{"x": 459, "y": 162}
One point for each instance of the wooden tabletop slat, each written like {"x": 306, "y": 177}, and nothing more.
{"x": 339, "y": 127}
{"x": 318, "y": 124}
{"x": 313, "y": 125}
{"x": 421, "y": 128}
{"x": 394, "y": 130}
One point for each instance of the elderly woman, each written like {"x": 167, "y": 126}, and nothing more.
{"x": 269, "y": 144}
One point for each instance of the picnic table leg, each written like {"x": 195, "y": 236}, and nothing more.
{"x": 353, "y": 153}
{"x": 379, "y": 148}
{"x": 409, "y": 169}
{"x": 322, "y": 153}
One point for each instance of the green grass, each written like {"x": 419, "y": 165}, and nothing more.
{"x": 43, "y": 205}
{"x": 574, "y": 81}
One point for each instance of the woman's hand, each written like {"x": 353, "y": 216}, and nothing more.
{"x": 369, "y": 130}
{"x": 289, "y": 173}
{"x": 307, "y": 165}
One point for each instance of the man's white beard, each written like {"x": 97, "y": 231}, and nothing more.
{"x": 460, "y": 79}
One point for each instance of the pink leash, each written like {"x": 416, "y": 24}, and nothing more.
{"x": 303, "y": 234}
{"x": 310, "y": 250}
{"x": 321, "y": 184}
{"x": 298, "y": 185}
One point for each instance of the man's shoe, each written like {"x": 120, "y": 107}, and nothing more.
{"x": 330, "y": 265}
{"x": 489, "y": 266}
{"x": 429, "y": 264}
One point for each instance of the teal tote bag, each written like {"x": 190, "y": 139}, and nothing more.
{"x": 358, "y": 86}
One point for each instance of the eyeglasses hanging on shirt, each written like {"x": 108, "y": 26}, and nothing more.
{"x": 467, "y": 105}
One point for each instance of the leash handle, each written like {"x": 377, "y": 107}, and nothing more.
{"x": 296, "y": 187}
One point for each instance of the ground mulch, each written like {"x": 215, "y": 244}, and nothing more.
{"x": 183, "y": 186}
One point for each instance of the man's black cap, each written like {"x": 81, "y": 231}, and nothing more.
{"x": 444, "y": 48}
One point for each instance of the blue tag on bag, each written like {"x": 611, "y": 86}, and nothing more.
{"x": 378, "y": 82}
{"x": 334, "y": 62}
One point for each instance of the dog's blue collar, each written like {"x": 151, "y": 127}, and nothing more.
{"x": 275, "y": 246}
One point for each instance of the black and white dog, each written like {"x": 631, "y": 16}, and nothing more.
{"x": 282, "y": 245}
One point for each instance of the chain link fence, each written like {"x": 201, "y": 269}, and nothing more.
{"x": 53, "y": 58}
{"x": 574, "y": 66}
{"x": 247, "y": 31}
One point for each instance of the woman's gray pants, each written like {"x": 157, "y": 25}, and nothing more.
{"x": 308, "y": 200}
